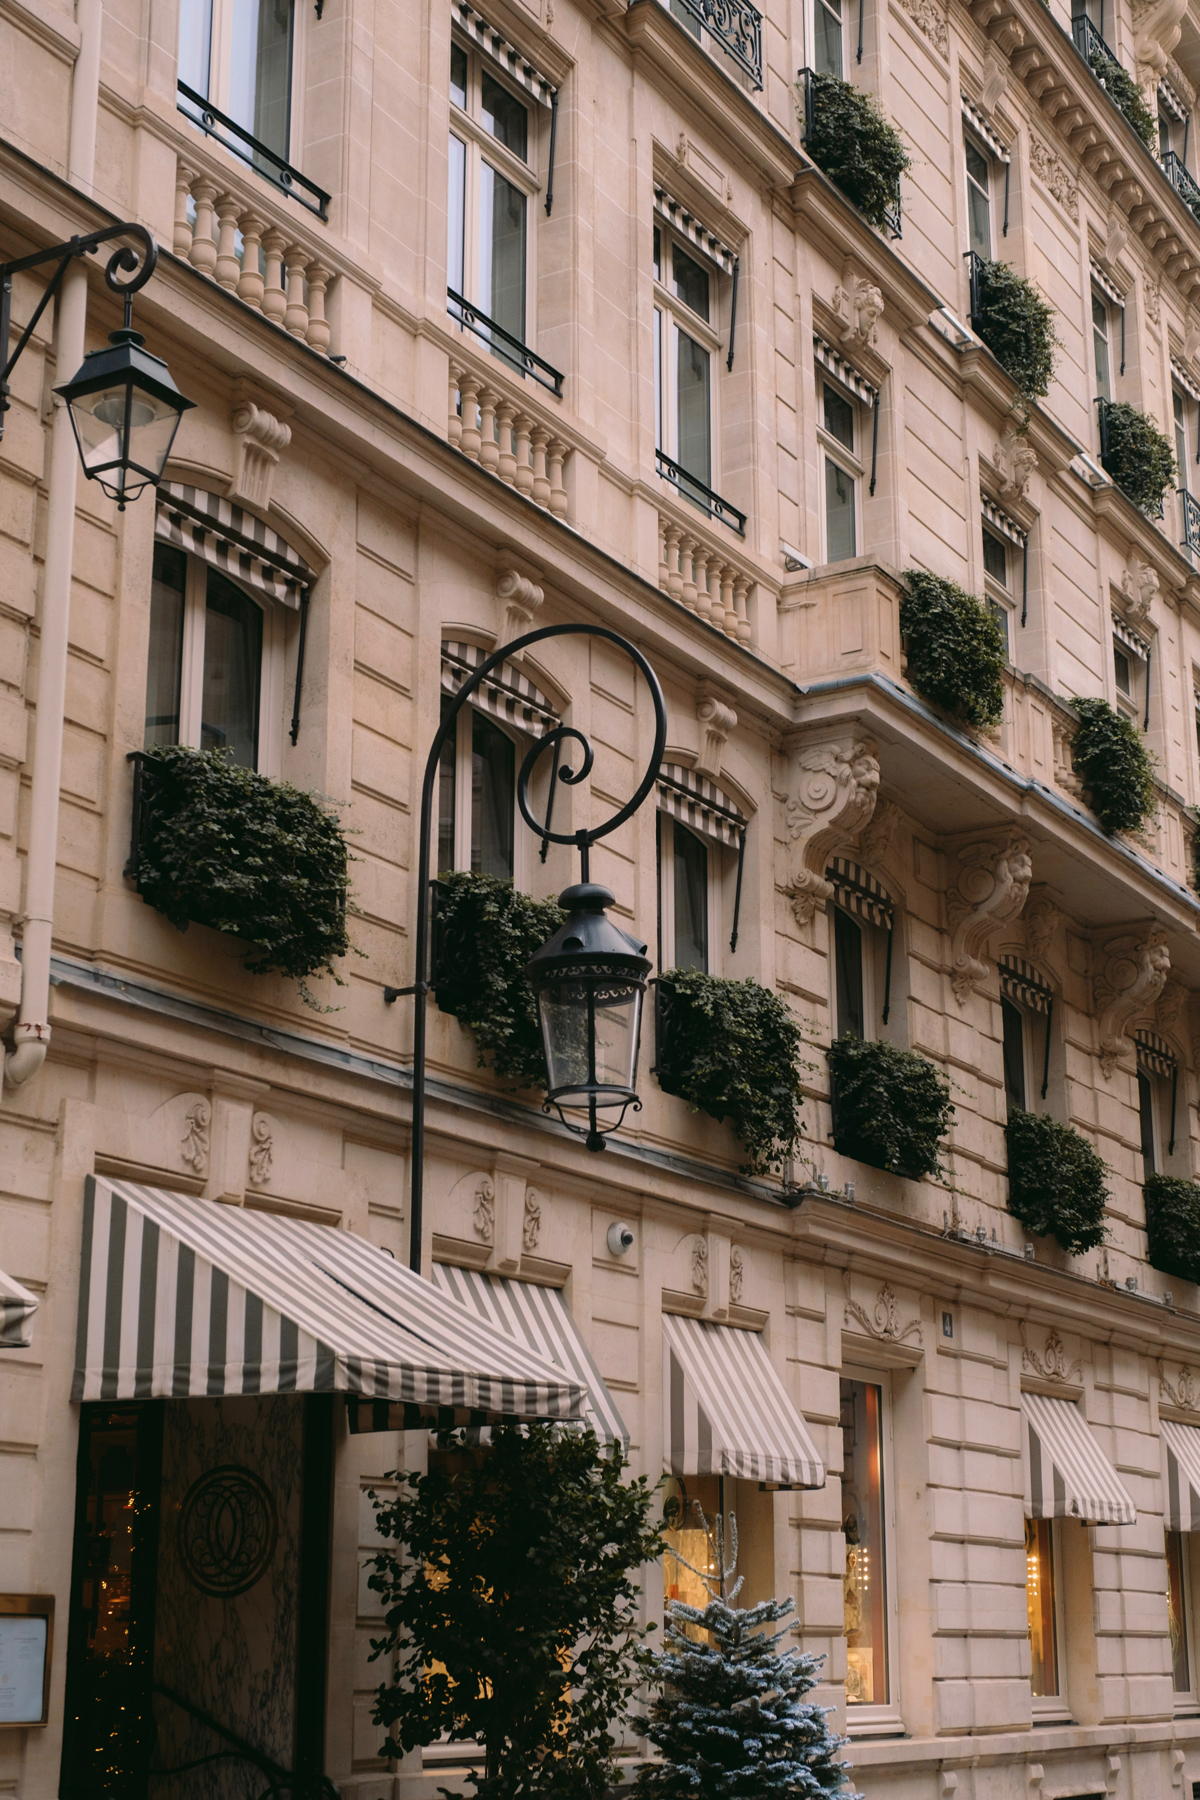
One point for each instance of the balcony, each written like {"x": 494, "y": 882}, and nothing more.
{"x": 262, "y": 160}
{"x": 874, "y": 185}
{"x": 1090, "y": 45}
{"x": 694, "y": 490}
{"x": 734, "y": 25}
{"x": 503, "y": 344}
{"x": 699, "y": 573}
{"x": 1189, "y": 509}
{"x": 504, "y": 434}
{"x": 1187, "y": 189}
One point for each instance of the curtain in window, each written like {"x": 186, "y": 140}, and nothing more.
{"x": 165, "y": 663}
{"x": 232, "y": 672}
{"x": 691, "y": 900}
{"x": 493, "y": 790}
{"x": 848, "y": 957}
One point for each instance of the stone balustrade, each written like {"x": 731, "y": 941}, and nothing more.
{"x": 233, "y": 241}
{"x": 697, "y": 573}
{"x": 494, "y": 430}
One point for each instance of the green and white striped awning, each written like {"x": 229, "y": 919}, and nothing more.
{"x": 696, "y": 801}
{"x": 1181, "y": 1445}
{"x": 507, "y": 693}
{"x": 232, "y": 540}
{"x": 1067, "y": 1475}
{"x": 1021, "y": 982}
{"x": 726, "y": 1412}
{"x": 516, "y": 66}
{"x": 1154, "y": 1055}
{"x": 181, "y": 1297}
{"x": 17, "y": 1307}
{"x": 538, "y": 1318}
{"x": 860, "y": 893}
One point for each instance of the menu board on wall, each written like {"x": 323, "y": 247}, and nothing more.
{"x": 24, "y": 1651}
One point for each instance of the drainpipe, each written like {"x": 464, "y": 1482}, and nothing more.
{"x": 31, "y": 1034}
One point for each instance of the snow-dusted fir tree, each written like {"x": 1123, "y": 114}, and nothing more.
{"x": 730, "y": 1718}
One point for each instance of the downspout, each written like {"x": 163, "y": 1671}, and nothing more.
{"x": 31, "y": 1034}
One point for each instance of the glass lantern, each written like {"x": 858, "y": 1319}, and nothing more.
{"x": 125, "y": 410}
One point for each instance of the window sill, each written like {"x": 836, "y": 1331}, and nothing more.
{"x": 882, "y": 1722}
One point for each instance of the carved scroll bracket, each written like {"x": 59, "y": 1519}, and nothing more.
{"x": 833, "y": 786}
{"x": 1134, "y": 973}
{"x": 992, "y": 889}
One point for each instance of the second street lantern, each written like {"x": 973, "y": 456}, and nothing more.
{"x": 590, "y": 982}
{"x": 125, "y": 410}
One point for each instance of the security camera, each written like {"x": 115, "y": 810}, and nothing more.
{"x": 619, "y": 1239}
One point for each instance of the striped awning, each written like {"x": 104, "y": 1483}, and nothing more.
{"x": 1131, "y": 639}
{"x": 1000, "y": 521}
{"x": 539, "y": 1318}
{"x": 1184, "y": 378}
{"x": 233, "y": 540}
{"x": 860, "y": 893}
{"x": 1067, "y": 1475}
{"x": 508, "y": 692}
{"x": 976, "y": 119}
{"x": 681, "y": 219}
{"x": 1107, "y": 286}
{"x": 181, "y": 1297}
{"x": 1154, "y": 1055}
{"x": 1181, "y": 1449}
{"x": 517, "y": 67}
{"x": 835, "y": 364}
{"x": 1169, "y": 101}
{"x": 17, "y": 1307}
{"x": 1021, "y": 982}
{"x": 696, "y": 801}
{"x": 726, "y": 1412}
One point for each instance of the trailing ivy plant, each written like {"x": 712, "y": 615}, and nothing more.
{"x": 731, "y": 1049}
{"x": 954, "y": 647}
{"x": 857, "y": 148}
{"x": 1126, "y": 96}
{"x": 891, "y": 1108}
{"x": 1017, "y": 325}
{"x": 1137, "y": 456}
{"x": 1056, "y": 1181}
{"x": 1173, "y": 1225}
{"x": 1109, "y": 755}
{"x": 486, "y": 931}
{"x": 222, "y": 846}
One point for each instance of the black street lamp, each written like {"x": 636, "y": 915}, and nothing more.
{"x": 124, "y": 407}
{"x": 590, "y": 979}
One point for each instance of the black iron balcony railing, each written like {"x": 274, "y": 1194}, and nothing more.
{"x": 264, "y": 161}
{"x": 808, "y": 82}
{"x": 1187, "y": 189}
{"x": 1090, "y": 45}
{"x": 701, "y": 496}
{"x": 1190, "y": 508}
{"x": 736, "y": 26}
{"x": 503, "y": 344}
{"x": 975, "y": 281}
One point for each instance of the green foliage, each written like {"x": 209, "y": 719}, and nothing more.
{"x": 955, "y": 649}
{"x": 1055, "y": 1181}
{"x": 1109, "y": 755}
{"x": 221, "y": 846}
{"x": 1137, "y": 456}
{"x": 1017, "y": 326}
{"x": 856, "y": 147}
{"x": 731, "y": 1049}
{"x": 1126, "y": 96}
{"x": 1173, "y": 1225}
{"x": 486, "y": 933}
{"x": 891, "y": 1108}
{"x": 510, "y": 1609}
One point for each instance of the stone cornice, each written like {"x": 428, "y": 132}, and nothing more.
{"x": 840, "y": 230}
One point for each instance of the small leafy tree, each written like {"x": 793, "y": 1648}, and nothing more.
{"x": 954, "y": 648}
{"x": 1137, "y": 456}
{"x": 511, "y": 1610}
{"x": 1109, "y": 755}
{"x": 1017, "y": 325}
{"x": 849, "y": 138}
{"x": 1173, "y": 1225}
{"x": 1056, "y": 1181}
{"x": 731, "y": 1049}
{"x": 891, "y": 1108}
{"x": 486, "y": 933}
{"x": 730, "y": 1717}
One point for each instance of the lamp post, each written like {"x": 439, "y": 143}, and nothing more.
{"x": 590, "y": 979}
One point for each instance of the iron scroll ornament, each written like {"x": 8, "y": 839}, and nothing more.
{"x": 583, "y": 841}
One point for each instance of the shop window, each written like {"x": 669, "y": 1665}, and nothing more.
{"x": 477, "y": 785}
{"x": 839, "y": 438}
{"x": 686, "y": 898}
{"x": 686, "y": 359}
{"x": 238, "y": 54}
{"x": 979, "y": 197}
{"x": 866, "y": 1601}
{"x": 1042, "y": 1603}
{"x": 1178, "y": 1613}
{"x": 492, "y": 185}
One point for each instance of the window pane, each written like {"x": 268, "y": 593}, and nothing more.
{"x": 232, "y": 672}
{"x": 502, "y": 252}
{"x": 690, "y": 1551}
{"x": 447, "y": 794}
{"x": 839, "y": 513}
{"x": 458, "y": 75}
{"x": 1039, "y": 1601}
{"x": 1181, "y": 455}
{"x": 1181, "y": 1675}
{"x": 688, "y": 20}
{"x": 1000, "y": 614}
{"x": 1122, "y": 671}
{"x": 995, "y": 557}
{"x": 1146, "y": 1120}
{"x": 839, "y": 417}
{"x": 1100, "y": 347}
{"x": 456, "y": 216}
{"x": 261, "y": 70}
{"x": 1014, "y": 1052}
{"x": 827, "y": 37}
{"x": 978, "y": 171}
{"x": 195, "y": 43}
{"x": 505, "y": 117}
{"x": 691, "y": 901}
{"x": 657, "y": 254}
{"x": 848, "y": 974}
{"x": 690, "y": 281}
{"x": 691, "y": 399}
{"x": 658, "y": 381}
{"x": 864, "y": 1587}
{"x": 164, "y": 665}
{"x": 979, "y": 219}
{"x": 493, "y": 785}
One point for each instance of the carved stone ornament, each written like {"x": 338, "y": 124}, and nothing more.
{"x": 1140, "y": 588}
{"x": 833, "y": 787}
{"x": 875, "y": 840}
{"x": 1153, "y": 292}
{"x": 716, "y": 721}
{"x": 1171, "y": 1003}
{"x": 1191, "y": 341}
{"x": 883, "y": 1321}
{"x": 1179, "y": 81}
{"x": 1015, "y": 462}
{"x": 193, "y": 1146}
{"x": 520, "y": 598}
{"x": 262, "y": 1150}
{"x": 1116, "y": 238}
{"x": 1157, "y": 25}
{"x": 700, "y": 1265}
{"x": 1185, "y": 1393}
{"x": 1134, "y": 974}
{"x": 1054, "y": 175}
{"x": 1052, "y": 1363}
{"x": 484, "y": 1216}
{"x": 259, "y": 438}
{"x": 931, "y": 21}
{"x": 737, "y": 1275}
{"x": 995, "y": 80}
{"x": 858, "y": 304}
{"x": 1041, "y": 922}
{"x": 531, "y": 1223}
{"x": 992, "y": 889}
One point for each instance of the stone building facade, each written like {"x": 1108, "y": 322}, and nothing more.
{"x": 734, "y": 413}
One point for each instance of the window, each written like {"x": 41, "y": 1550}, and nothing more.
{"x": 979, "y": 198}
{"x": 1101, "y": 345}
{"x": 480, "y": 760}
{"x": 1196, "y": 713}
{"x": 1183, "y": 460}
{"x": 827, "y": 37}
{"x": 491, "y": 184}
{"x": 685, "y": 349}
{"x": 210, "y": 645}
{"x": 1131, "y": 655}
{"x": 684, "y": 896}
{"x": 1148, "y": 1123}
{"x": 1013, "y": 1020}
{"x": 996, "y": 581}
{"x": 1178, "y": 1598}
{"x": 1042, "y": 1604}
{"x": 238, "y": 55}
{"x": 838, "y": 436}
{"x": 861, "y": 927}
{"x": 865, "y": 1577}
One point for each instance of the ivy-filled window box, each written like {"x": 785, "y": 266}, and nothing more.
{"x": 484, "y": 933}
{"x": 891, "y": 1108}
{"x": 1056, "y": 1181}
{"x": 1109, "y": 755}
{"x": 1173, "y": 1225}
{"x": 216, "y": 844}
{"x": 848, "y": 138}
{"x": 1015, "y": 323}
{"x": 955, "y": 649}
{"x": 1136, "y": 454}
{"x": 1116, "y": 80}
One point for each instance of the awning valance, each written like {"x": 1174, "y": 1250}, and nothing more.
{"x": 835, "y": 364}
{"x": 1000, "y": 521}
{"x": 507, "y": 693}
{"x": 233, "y": 540}
{"x": 1181, "y": 1444}
{"x": 726, "y": 1412}
{"x": 977, "y": 120}
{"x": 181, "y": 1297}
{"x": 538, "y": 1317}
{"x": 860, "y": 893}
{"x": 517, "y": 67}
{"x": 1154, "y": 1055}
{"x": 1185, "y": 379}
{"x": 696, "y": 801}
{"x": 684, "y": 221}
{"x": 17, "y": 1307}
{"x": 1107, "y": 286}
{"x": 1067, "y": 1475}
{"x": 1021, "y": 982}
{"x": 1131, "y": 639}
